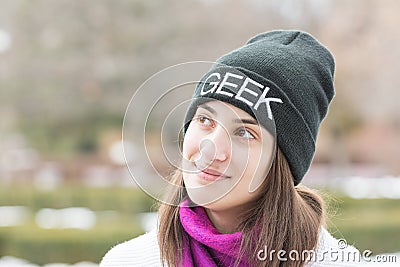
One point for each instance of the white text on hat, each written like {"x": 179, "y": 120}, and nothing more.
{"x": 234, "y": 83}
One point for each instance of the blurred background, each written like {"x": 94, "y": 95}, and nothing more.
{"x": 69, "y": 68}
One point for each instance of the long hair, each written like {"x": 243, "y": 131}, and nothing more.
{"x": 286, "y": 217}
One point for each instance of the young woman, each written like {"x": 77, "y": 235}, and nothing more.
{"x": 249, "y": 139}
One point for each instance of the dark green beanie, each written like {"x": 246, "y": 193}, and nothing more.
{"x": 285, "y": 77}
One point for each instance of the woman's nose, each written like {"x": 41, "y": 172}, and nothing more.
{"x": 216, "y": 146}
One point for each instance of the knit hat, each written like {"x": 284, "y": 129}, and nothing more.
{"x": 283, "y": 79}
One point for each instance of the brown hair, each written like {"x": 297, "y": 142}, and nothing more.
{"x": 287, "y": 217}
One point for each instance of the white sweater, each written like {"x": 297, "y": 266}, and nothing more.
{"x": 144, "y": 251}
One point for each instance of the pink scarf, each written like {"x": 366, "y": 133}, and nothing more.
{"x": 203, "y": 245}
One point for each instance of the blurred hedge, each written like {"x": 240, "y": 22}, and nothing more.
{"x": 43, "y": 246}
{"x": 125, "y": 200}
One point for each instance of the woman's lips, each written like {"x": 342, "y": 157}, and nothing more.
{"x": 210, "y": 175}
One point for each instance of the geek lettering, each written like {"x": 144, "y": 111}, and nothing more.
{"x": 241, "y": 88}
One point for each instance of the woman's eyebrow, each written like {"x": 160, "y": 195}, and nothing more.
{"x": 241, "y": 121}
{"x": 207, "y": 107}
{"x": 245, "y": 121}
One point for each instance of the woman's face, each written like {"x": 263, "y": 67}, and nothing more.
{"x": 227, "y": 156}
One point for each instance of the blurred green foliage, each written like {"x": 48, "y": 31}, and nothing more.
{"x": 124, "y": 200}
{"x": 43, "y": 246}
{"x": 372, "y": 224}
{"x": 366, "y": 223}
{"x": 67, "y": 136}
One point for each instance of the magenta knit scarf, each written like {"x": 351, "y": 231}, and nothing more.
{"x": 203, "y": 245}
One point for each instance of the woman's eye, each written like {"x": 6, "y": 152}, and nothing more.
{"x": 245, "y": 133}
{"x": 205, "y": 121}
